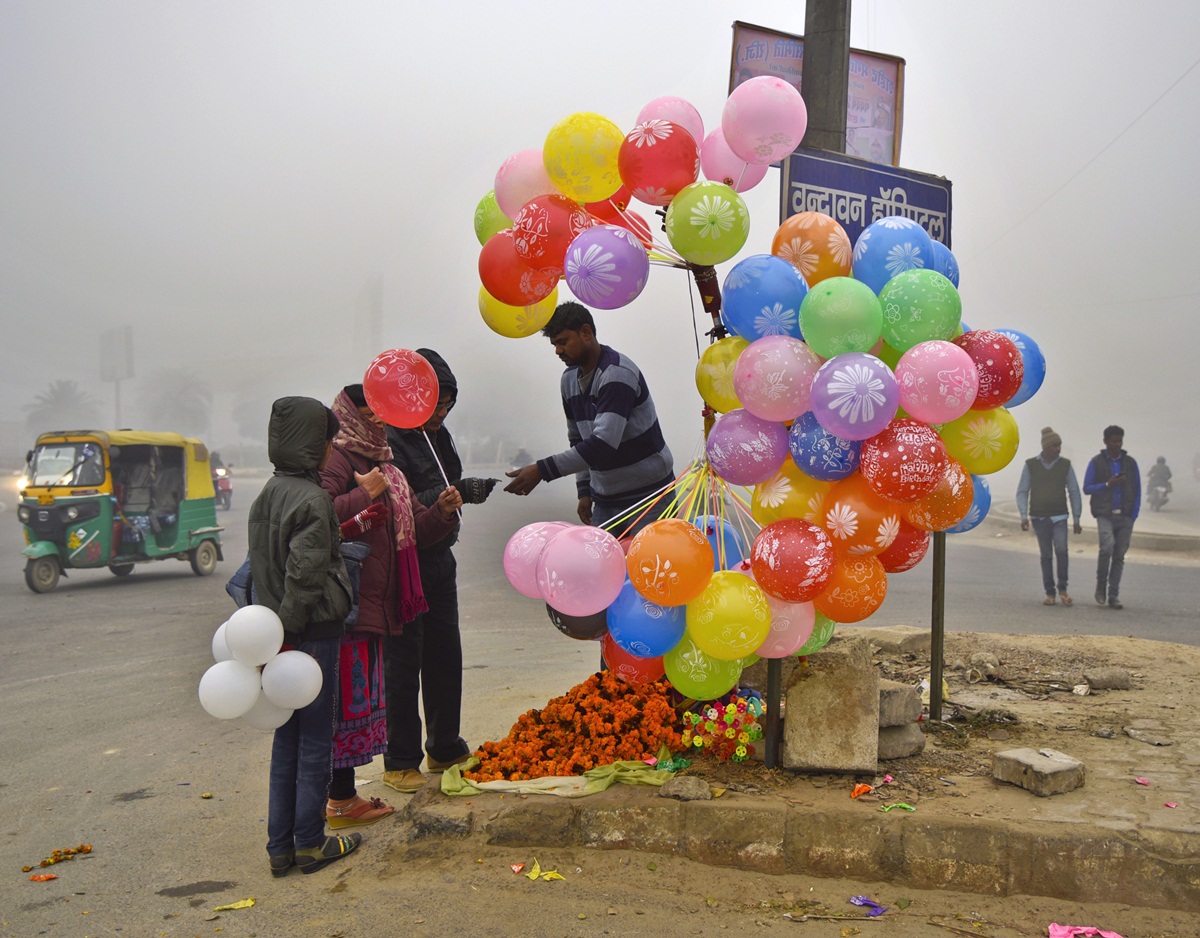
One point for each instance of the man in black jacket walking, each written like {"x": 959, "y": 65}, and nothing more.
{"x": 1115, "y": 488}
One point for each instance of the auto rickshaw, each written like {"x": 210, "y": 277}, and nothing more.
{"x": 116, "y": 498}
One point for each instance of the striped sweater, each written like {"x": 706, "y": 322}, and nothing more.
{"x": 617, "y": 448}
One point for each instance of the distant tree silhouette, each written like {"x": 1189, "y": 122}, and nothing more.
{"x": 62, "y": 406}
{"x": 178, "y": 401}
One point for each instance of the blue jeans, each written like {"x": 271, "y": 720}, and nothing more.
{"x": 301, "y": 760}
{"x": 1052, "y": 541}
{"x": 1115, "y": 532}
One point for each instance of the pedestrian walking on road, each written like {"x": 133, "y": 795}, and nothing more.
{"x": 1047, "y": 484}
{"x": 1113, "y": 484}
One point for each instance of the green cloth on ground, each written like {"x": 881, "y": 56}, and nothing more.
{"x": 567, "y": 786}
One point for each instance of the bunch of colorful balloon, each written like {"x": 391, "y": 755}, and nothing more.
{"x": 563, "y": 212}
{"x": 252, "y": 678}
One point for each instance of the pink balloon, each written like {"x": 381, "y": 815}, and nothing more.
{"x": 522, "y": 552}
{"x": 677, "y": 111}
{"x": 791, "y": 623}
{"x": 581, "y": 571}
{"x": 721, "y": 164}
{"x": 764, "y": 120}
{"x": 938, "y": 381}
{"x": 773, "y": 377}
{"x": 744, "y": 449}
{"x": 520, "y": 178}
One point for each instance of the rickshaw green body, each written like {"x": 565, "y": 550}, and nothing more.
{"x": 116, "y": 498}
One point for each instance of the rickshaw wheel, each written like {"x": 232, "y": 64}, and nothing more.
{"x": 41, "y": 574}
{"x": 204, "y": 558}
{"x": 120, "y": 569}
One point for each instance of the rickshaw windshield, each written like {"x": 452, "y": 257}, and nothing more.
{"x": 67, "y": 464}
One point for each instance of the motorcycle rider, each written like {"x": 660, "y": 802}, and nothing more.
{"x": 1158, "y": 476}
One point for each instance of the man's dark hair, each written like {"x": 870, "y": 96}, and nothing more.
{"x": 332, "y": 425}
{"x": 1113, "y": 430}
{"x": 569, "y": 315}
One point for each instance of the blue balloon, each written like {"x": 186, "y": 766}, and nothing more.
{"x": 644, "y": 628}
{"x": 981, "y": 504}
{"x": 945, "y": 263}
{"x": 762, "y": 296}
{"x": 727, "y": 545}
{"x": 1035, "y": 366}
{"x": 819, "y": 453}
{"x": 889, "y": 247}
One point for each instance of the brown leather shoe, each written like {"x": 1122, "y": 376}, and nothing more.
{"x": 1065, "y": 599}
{"x": 407, "y": 781}
{"x": 435, "y": 766}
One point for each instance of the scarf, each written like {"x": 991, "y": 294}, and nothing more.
{"x": 359, "y": 435}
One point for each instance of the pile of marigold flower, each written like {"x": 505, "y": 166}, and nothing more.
{"x": 601, "y": 721}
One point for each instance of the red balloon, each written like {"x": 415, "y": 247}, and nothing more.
{"x": 545, "y": 228}
{"x": 999, "y": 363}
{"x": 506, "y": 276}
{"x": 657, "y": 159}
{"x": 610, "y": 209}
{"x": 907, "y": 550}
{"x": 630, "y": 668}
{"x": 792, "y": 559}
{"x": 856, "y": 589}
{"x": 632, "y": 221}
{"x": 401, "y": 388}
{"x": 904, "y": 462}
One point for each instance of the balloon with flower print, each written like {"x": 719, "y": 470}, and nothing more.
{"x": 855, "y": 395}
{"x": 773, "y": 377}
{"x": 522, "y": 551}
{"x": 401, "y": 387}
{"x": 715, "y": 373}
{"x": 520, "y": 178}
{"x": 581, "y": 570}
{"x": 907, "y": 550}
{"x": 981, "y": 504}
{"x": 761, "y": 296}
{"x": 632, "y": 669}
{"x": 516, "y": 322}
{"x": 999, "y": 363}
{"x": 657, "y": 159}
{"x": 698, "y": 675}
{"x": 744, "y": 449}
{"x": 790, "y": 493}
{"x": 823, "y": 629}
{"x": 857, "y": 520}
{"x": 856, "y": 589}
{"x": 937, "y": 380}
{"x": 792, "y": 559}
{"x": 545, "y": 227}
{"x": 670, "y": 562}
{"x": 506, "y": 276}
{"x": 839, "y": 315}
{"x": 642, "y": 627}
{"x": 1033, "y": 362}
{"x": 947, "y": 504}
{"x": 820, "y": 453}
{"x": 676, "y": 110}
{"x": 580, "y": 156}
{"x": 983, "y": 441}
{"x": 610, "y": 209}
{"x": 945, "y": 263}
{"x": 791, "y": 626}
{"x": 707, "y": 223}
{"x": 721, "y": 164}
{"x": 815, "y": 244}
{"x": 904, "y": 461}
{"x": 919, "y": 305}
{"x": 606, "y": 267}
{"x": 890, "y": 246}
{"x": 764, "y": 119}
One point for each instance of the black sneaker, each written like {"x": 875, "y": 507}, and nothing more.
{"x": 1100, "y": 597}
{"x": 1115, "y": 604}
{"x": 334, "y": 848}
{"x": 281, "y": 863}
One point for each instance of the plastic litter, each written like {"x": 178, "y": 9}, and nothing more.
{"x": 898, "y": 804}
{"x": 861, "y": 789}
{"x": 1071, "y": 931}
{"x": 873, "y": 908}
{"x": 234, "y": 906}
{"x": 1142, "y": 780}
{"x": 42, "y": 877}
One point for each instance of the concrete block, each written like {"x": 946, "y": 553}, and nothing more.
{"x": 617, "y": 822}
{"x": 1108, "y": 679}
{"x": 898, "y": 703}
{"x": 899, "y": 742}
{"x": 831, "y": 720}
{"x": 721, "y": 834}
{"x": 900, "y": 640}
{"x": 1042, "y": 771}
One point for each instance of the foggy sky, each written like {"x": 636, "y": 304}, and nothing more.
{"x": 226, "y": 177}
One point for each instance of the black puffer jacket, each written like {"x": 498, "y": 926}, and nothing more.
{"x": 294, "y": 560}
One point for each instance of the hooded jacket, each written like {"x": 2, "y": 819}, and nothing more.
{"x": 294, "y": 560}
{"x": 412, "y": 454}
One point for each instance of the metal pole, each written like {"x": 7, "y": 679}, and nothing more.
{"x": 774, "y": 695}
{"x": 937, "y": 626}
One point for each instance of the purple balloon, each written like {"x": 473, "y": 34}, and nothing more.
{"x": 606, "y": 266}
{"x": 744, "y": 449}
{"x": 855, "y": 395}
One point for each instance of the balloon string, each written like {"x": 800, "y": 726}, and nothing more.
{"x": 441, "y": 469}
{"x": 638, "y": 224}
{"x": 741, "y": 175}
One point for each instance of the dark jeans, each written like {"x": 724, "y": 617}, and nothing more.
{"x": 426, "y": 662}
{"x": 301, "y": 758}
{"x": 1052, "y": 541}
{"x": 627, "y": 528}
{"x": 1115, "y": 532}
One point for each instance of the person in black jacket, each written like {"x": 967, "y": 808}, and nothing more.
{"x": 1114, "y": 486}
{"x": 427, "y": 659}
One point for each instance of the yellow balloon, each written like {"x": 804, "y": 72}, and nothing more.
{"x": 516, "y": 322}
{"x": 788, "y": 494}
{"x": 714, "y": 373}
{"x": 983, "y": 441}
{"x": 580, "y": 155}
{"x": 730, "y": 619}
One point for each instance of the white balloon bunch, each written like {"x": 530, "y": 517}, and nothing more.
{"x": 252, "y": 679}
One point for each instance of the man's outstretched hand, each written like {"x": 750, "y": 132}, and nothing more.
{"x": 524, "y": 480}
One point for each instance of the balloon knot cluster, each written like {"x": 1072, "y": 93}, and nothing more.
{"x": 726, "y": 730}
{"x": 597, "y": 722}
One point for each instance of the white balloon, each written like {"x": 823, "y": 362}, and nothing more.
{"x": 264, "y": 715}
{"x": 292, "y": 679}
{"x": 254, "y": 634}
{"x": 220, "y": 648}
{"x": 228, "y": 689}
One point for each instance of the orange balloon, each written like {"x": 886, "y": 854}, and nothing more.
{"x": 816, "y": 245}
{"x": 857, "y": 520}
{"x": 670, "y": 562}
{"x": 790, "y": 493}
{"x": 948, "y": 503}
{"x": 855, "y": 591}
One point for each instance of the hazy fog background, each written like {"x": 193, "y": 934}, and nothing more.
{"x": 236, "y": 181}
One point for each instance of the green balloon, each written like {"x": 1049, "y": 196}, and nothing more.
{"x": 840, "y": 314}
{"x": 699, "y": 675}
{"x": 821, "y": 634}
{"x": 707, "y": 222}
{"x": 919, "y": 305}
{"x": 489, "y": 219}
